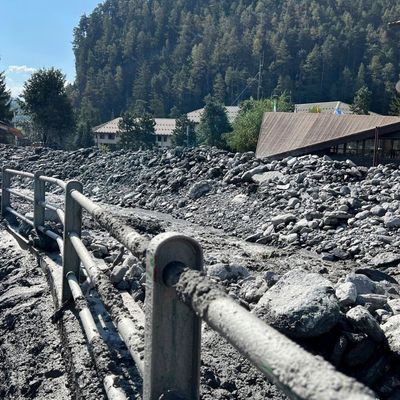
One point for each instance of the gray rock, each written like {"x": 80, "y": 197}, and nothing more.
{"x": 378, "y": 211}
{"x": 199, "y": 189}
{"x": 346, "y": 294}
{"x": 118, "y": 273}
{"x": 246, "y": 177}
{"x": 362, "y": 319}
{"x": 227, "y": 271}
{"x": 392, "y": 221}
{"x": 394, "y": 305}
{"x": 362, "y": 283}
{"x": 374, "y": 301}
{"x": 266, "y": 177}
{"x": 387, "y": 259}
{"x": 391, "y": 330}
{"x": 300, "y": 304}
{"x": 283, "y": 219}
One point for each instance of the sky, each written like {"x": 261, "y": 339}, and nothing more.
{"x": 38, "y": 34}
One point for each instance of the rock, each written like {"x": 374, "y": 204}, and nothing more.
{"x": 240, "y": 199}
{"x": 118, "y": 273}
{"x": 283, "y": 219}
{"x": 362, "y": 319}
{"x": 346, "y": 294}
{"x": 227, "y": 271}
{"x": 383, "y": 260}
{"x": 392, "y": 221}
{"x": 362, "y": 283}
{"x": 374, "y": 301}
{"x": 199, "y": 189}
{"x": 266, "y": 177}
{"x": 361, "y": 353}
{"x": 246, "y": 177}
{"x": 378, "y": 211}
{"x": 376, "y": 275}
{"x": 394, "y": 305}
{"x": 391, "y": 330}
{"x": 300, "y": 304}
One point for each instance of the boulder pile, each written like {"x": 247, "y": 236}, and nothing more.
{"x": 338, "y": 209}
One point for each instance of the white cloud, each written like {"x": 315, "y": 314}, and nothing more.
{"x": 21, "y": 69}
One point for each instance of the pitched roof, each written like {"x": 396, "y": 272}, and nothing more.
{"x": 231, "y": 111}
{"x": 11, "y": 130}
{"x": 300, "y": 133}
{"x": 164, "y": 126}
{"x": 326, "y": 107}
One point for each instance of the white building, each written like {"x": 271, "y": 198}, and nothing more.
{"x": 108, "y": 133}
{"x": 325, "y": 107}
{"x": 232, "y": 112}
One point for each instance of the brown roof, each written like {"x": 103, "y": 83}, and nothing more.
{"x": 163, "y": 126}
{"x": 295, "y": 134}
{"x": 9, "y": 129}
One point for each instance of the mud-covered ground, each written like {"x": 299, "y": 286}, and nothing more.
{"x": 32, "y": 366}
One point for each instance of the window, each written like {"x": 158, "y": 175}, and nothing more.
{"x": 102, "y": 136}
{"x": 110, "y": 136}
{"x": 159, "y": 138}
{"x": 165, "y": 138}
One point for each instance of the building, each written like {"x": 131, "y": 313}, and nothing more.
{"x": 108, "y": 133}
{"x": 9, "y": 134}
{"x": 327, "y": 107}
{"x": 232, "y": 112}
{"x": 366, "y": 139}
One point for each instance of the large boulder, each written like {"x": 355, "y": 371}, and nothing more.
{"x": 199, "y": 189}
{"x": 300, "y": 304}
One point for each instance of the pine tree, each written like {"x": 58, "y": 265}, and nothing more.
{"x": 137, "y": 131}
{"x": 84, "y": 136}
{"x": 184, "y": 132}
{"x": 361, "y": 102}
{"x": 214, "y": 124}
{"x": 6, "y": 115}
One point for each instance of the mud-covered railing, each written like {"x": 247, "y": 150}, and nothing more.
{"x": 178, "y": 298}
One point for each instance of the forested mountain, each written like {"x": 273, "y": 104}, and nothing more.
{"x": 167, "y": 55}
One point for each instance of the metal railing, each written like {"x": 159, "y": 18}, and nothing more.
{"x": 178, "y": 298}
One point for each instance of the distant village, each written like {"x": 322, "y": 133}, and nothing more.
{"x": 329, "y": 129}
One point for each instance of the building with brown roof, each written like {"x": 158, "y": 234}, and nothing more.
{"x": 367, "y": 139}
{"x": 9, "y": 134}
{"x": 107, "y": 133}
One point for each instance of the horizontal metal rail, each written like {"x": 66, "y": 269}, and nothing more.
{"x": 19, "y": 215}
{"x": 132, "y": 240}
{"x": 60, "y": 213}
{"x": 20, "y": 173}
{"x": 22, "y": 196}
{"x": 94, "y": 339}
{"x": 56, "y": 181}
{"x": 125, "y": 326}
{"x": 52, "y": 235}
{"x": 296, "y": 372}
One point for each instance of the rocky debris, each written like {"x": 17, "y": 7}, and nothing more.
{"x": 392, "y": 332}
{"x": 347, "y": 214}
{"x": 337, "y": 209}
{"x": 300, "y": 304}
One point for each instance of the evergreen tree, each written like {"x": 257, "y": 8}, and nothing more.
{"x": 137, "y": 131}
{"x": 361, "y": 102}
{"x": 184, "y": 132}
{"x": 45, "y": 100}
{"x": 6, "y": 115}
{"x": 84, "y": 136}
{"x": 214, "y": 124}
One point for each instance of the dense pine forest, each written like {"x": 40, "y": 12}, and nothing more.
{"x": 166, "y": 55}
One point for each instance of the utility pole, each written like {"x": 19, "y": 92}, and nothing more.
{"x": 187, "y": 135}
{"x": 260, "y": 67}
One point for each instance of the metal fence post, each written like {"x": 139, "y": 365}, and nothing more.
{"x": 72, "y": 224}
{"x": 39, "y": 194}
{"x": 173, "y": 331}
{"x": 5, "y": 195}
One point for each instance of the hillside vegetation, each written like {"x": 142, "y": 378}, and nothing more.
{"x": 166, "y": 56}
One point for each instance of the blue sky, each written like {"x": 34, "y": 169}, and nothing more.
{"x": 38, "y": 34}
